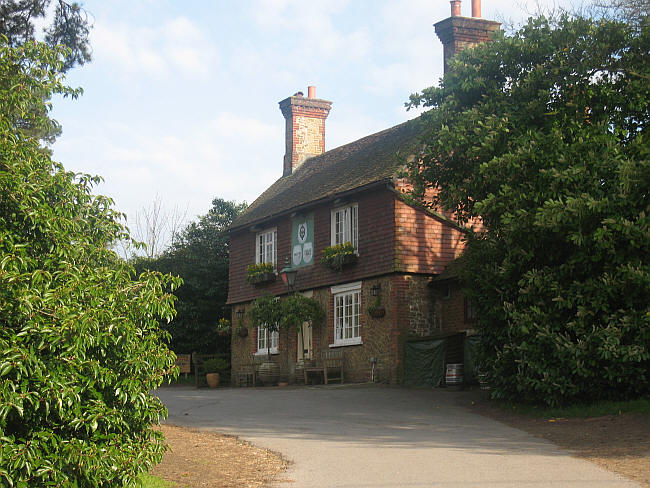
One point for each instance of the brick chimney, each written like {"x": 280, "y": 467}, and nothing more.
{"x": 457, "y": 32}
{"x": 305, "y": 128}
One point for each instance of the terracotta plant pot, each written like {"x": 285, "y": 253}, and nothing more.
{"x": 212, "y": 379}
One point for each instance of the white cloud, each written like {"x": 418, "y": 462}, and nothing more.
{"x": 230, "y": 156}
{"x": 176, "y": 47}
{"x": 312, "y": 26}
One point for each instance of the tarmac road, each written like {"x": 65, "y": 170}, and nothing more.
{"x": 357, "y": 436}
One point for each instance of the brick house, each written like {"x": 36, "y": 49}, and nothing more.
{"x": 355, "y": 194}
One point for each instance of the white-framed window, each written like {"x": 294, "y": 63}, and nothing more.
{"x": 263, "y": 337}
{"x": 345, "y": 225}
{"x": 347, "y": 314}
{"x": 266, "y": 249}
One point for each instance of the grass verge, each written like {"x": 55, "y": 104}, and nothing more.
{"x": 149, "y": 481}
{"x": 600, "y": 409}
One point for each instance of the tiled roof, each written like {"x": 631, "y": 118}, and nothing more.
{"x": 377, "y": 157}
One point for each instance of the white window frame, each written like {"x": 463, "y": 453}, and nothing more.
{"x": 347, "y": 314}
{"x": 262, "y": 338}
{"x": 345, "y": 225}
{"x": 266, "y": 247}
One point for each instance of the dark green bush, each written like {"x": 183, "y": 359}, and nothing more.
{"x": 543, "y": 137}
{"x": 216, "y": 365}
{"x": 80, "y": 344}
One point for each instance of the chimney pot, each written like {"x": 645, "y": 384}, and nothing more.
{"x": 455, "y": 8}
{"x": 476, "y": 9}
{"x": 298, "y": 94}
{"x": 304, "y": 128}
{"x": 457, "y": 32}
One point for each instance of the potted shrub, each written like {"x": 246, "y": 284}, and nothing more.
{"x": 298, "y": 309}
{"x": 338, "y": 256}
{"x": 260, "y": 273}
{"x": 266, "y": 313}
{"x": 212, "y": 368}
{"x": 273, "y": 314}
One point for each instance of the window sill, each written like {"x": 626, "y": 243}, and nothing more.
{"x": 349, "y": 342}
{"x": 264, "y": 352}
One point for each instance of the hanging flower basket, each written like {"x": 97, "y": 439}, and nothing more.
{"x": 242, "y": 332}
{"x": 377, "y": 312}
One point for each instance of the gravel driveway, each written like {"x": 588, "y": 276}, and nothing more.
{"x": 370, "y": 436}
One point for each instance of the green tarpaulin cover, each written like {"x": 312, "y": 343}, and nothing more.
{"x": 470, "y": 359}
{"x": 424, "y": 363}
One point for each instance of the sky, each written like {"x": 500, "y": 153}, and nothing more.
{"x": 181, "y": 98}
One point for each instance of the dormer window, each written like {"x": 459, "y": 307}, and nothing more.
{"x": 266, "y": 247}
{"x": 345, "y": 225}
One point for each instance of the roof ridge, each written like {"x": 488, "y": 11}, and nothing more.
{"x": 353, "y": 165}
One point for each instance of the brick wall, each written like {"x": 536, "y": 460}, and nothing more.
{"x": 376, "y": 250}
{"x": 449, "y": 304}
{"x": 400, "y": 247}
{"x": 423, "y": 243}
{"x": 412, "y": 309}
{"x": 377, "y": 335}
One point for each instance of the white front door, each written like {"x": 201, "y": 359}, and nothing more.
{"x": 305, "y": 350}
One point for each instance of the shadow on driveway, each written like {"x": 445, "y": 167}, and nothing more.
{"x": 367, "y": 414}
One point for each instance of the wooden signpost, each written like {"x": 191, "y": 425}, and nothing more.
{"x": 183, "y": 363}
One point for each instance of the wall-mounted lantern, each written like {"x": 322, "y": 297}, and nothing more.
{"x": 375, "y": 289}
{"x": 288, "y": 274}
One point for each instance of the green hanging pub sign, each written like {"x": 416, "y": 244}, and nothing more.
{"x": 302, "y": 241}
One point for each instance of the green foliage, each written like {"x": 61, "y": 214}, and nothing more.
{"x": 275, "y": 314}
{"x": 599, "y": 409}
{"x": 337, "y": 256}
{"x": 266, "y": 311}
{"x": 200, "y": 257}
{"x": 148, "y": 481}
{"x": 224, "y": 327}
{"x": 80, "y": 344}
{"x": 70, "y": 27}
{"x": 255, "y": 271}
{"x": 632, "y": 12}
{"x": 544, "y": 135}
{"x": 296, "y": 309}
{"x": 375, "y": 307}
{"x": 216, "y": 365}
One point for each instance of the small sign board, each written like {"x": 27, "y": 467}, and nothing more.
{"x": 183, "y": 362}
{"x": 302, "y": 241}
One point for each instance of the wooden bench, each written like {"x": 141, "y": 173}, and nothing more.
{"x": 330, "y": 365}
{"x": 199, "y": 372}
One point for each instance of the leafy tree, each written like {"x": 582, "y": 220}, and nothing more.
{"x": 291, "y": 313}
{"x": 80, "y": 344}
{"x": 70, "y": 27}
{"x": 633, "y": 12}
{"x": 543, "y": 136}
{"x": 199, "y": 255}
